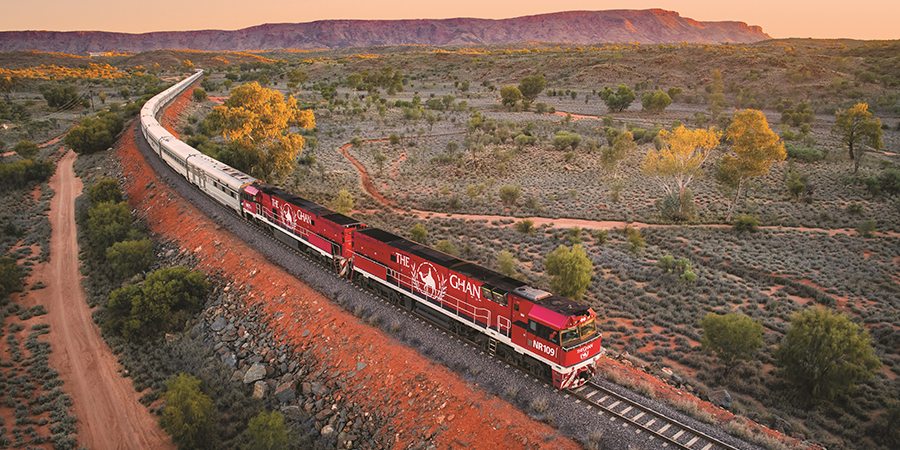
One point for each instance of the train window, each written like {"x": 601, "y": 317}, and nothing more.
{"x": 588, "y": 329}
{"x": 516, "y": 307}
{"x": 570, "y": 335}
{"x": 544, "y": 332}
{"x": 393, "y": 258}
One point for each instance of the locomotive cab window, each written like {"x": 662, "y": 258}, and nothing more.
{"x": 544, "y": 332}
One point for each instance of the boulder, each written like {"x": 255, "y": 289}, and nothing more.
{"x": 256, "y": 372}
{"x": 720, "y": 398}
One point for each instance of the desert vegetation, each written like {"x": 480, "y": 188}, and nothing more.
{"x": 545, "y": 134}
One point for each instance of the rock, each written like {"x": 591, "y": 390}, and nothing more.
{"x": 360, "y": 366}
{"x": 285, "y": 393}
{"x": 256, "y": 372}
{"x": 782, "y": 426}
{"x": 218, "y": 324}
{"x": 259, "y": 389}
{"x": 318, "y": 389}
{"x": 327, "y": 430}
{"x": 171, "y": 337}
{"x": 720, "y": 398}
{"x": 230, "y": 360}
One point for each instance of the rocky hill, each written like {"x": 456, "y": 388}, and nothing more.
{"x": 653, "y": 26}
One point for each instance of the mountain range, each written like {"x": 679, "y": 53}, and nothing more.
{"x": 652, "y": 26}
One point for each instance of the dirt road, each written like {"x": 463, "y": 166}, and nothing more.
{"x": 106, "y": 405}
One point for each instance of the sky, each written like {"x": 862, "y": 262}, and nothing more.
{"x": 860, "y": 19}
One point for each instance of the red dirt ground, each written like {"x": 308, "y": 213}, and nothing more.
{"x": 438, "y": 396}
{"x": 106, "y": 405}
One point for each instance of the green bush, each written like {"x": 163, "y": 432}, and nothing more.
{"x": 189, "y": 416}
{"x": 804, "y": 154}
{"x": 19, "y": 173}
{"x": 867, "y": 228}
{"x": 746, "y": 222}
{"x": 144, "y": 312}
{"x": 95, "y": 135}
{"x": 525, "y": 226}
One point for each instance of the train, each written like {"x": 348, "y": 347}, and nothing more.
{"x": 550, "y": 336}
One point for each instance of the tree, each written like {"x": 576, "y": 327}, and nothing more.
{"x": 510, "y": 193}
{"x": 160, "y": 304}
{"x": 619, "y": 100}
{"x": 825, "y": 354}
{"x": 623, "y": 146}
{"x": 7, "y": 85}
{"x": 63, "y": 97}
{"x": 680, "y": 160}
{"x": 105, "y": 190}
{"x": 855, "y": 127}
{"x": 297, "y": 77}
{"x": 732, "y": 337}
{"x": 509, "y": 95}
{"x": 199, "y": 94}
{"x": 94, "y": 134}
{"x": 418, "y": 233}
{"x": 756, "y": 147}
{"x": 189, "y": 416}
{"x": 127, "y": 258}
{"x": 655, "y": 102}
{"x": 10, "y": 277}
{"x": 506, "y": 263}
{"x": 531, "y": 86}
{"x": 343, "y": 203}
{"x": 267, "y": 431}
{"x": 107, "y": 224}
{"x": 258, "y": 121}
{"x": 570, "y": 271}
{"x": 26, "y": 149}
{"x": 716, "y": 97}
{"x": 447, "y": 247}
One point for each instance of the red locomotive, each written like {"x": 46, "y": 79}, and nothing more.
{"x": 553, "y": 337}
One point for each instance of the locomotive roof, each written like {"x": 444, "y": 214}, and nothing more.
{"x": 307, "y": 205}
{"x": 496, "y": 281}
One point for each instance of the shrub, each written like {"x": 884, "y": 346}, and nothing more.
{"x": 539, "y": 404}
{"x": 746, "y": 222}
{"x": 525, "y": 226}
{"x": 867, "y": 228}
{"x": 804, "y": 154}
{"x": 855, "y": 209}
{"x": 510, "y": 193}
{"x": 94, "y": 135}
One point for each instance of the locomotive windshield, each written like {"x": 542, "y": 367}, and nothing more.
{"x": 578, "y": 333}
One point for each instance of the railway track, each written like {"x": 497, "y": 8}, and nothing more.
{"x": 659, "y": 426}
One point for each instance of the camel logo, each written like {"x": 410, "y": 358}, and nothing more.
{"x": 428, "y": 280}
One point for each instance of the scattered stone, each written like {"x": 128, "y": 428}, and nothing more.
{"x": 259, "y": 389}
{"x": 218, "y": 324}
{"x": 327, "y": 430}
{"x": 256, "y": 372}
{"x": 721, "y": 398}
{"x": 285, "y": 393}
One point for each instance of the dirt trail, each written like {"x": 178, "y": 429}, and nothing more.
{"x": 106, "y": 405}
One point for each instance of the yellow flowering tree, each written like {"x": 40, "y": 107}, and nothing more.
{"x": 755, "y": 147}
{"x": 680, "y": 160}
{"x": 258, "y": 122}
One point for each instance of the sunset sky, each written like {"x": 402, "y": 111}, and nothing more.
{"x": 861, "y": 19}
